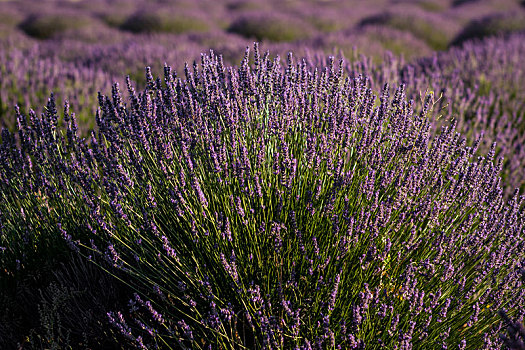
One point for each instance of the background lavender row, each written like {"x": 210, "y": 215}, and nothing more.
{"x": 99, "y": 34}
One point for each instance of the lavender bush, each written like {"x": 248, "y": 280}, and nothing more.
{"x": 270, "y": 26}
{"x": 501, "y": 23}
{"x": 45, "y": 26}
{"x": 158, "y": 20}
{"x": 484, "y": 96}
{"x": 272, "y": 206}
{"x": 370, "y": 203}
{"x": 423, "y": 25}
{"x": 27, "y": 77}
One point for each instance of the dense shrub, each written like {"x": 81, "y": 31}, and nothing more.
{"x": 484, "y": 96}
{"x": 498, "y": 24}
{"x": 27, "y": 77}
{"x": 270, "y": 26}
{"x": 463, "y": 2}
{"x": 422, "y": 26}
{"x": 275, "y": 207}
{"x": 45, "y": 26}
{"x": 151, "y": 21}
{"x": 487, "y": 96}
{"x": 126, "y": 199}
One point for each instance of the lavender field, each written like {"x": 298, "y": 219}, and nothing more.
{"x": 262, "y": 174}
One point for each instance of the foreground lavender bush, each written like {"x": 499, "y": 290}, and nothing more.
{"x": 485, "y": 95}
{"x": 274, "y": 207}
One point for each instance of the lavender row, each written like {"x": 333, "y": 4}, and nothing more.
{"x": 483, "y": 96}
{"x": 272, "y": 205}
{"x": 28, "y": 77}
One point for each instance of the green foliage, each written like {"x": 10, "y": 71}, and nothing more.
{"x": 499, "y": 24}
{"x": 421, "y": 28}
{"x": 149, "y": 21}
{"x": 326, "y": 25}
{"x": 114, "y": 19}
{"x": 432, "y": 6}
{"x": 45, "y": 26}
{"x": 271, "y": 27}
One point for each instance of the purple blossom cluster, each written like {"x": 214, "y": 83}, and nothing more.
{"x": 367, "y": 200}
{"x": 484, "y": 95}
{"x": 478, "y": 86}
{"x": 273, "y": 205}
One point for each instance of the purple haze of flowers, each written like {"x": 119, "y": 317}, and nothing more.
{"x": 359, "y": 216}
